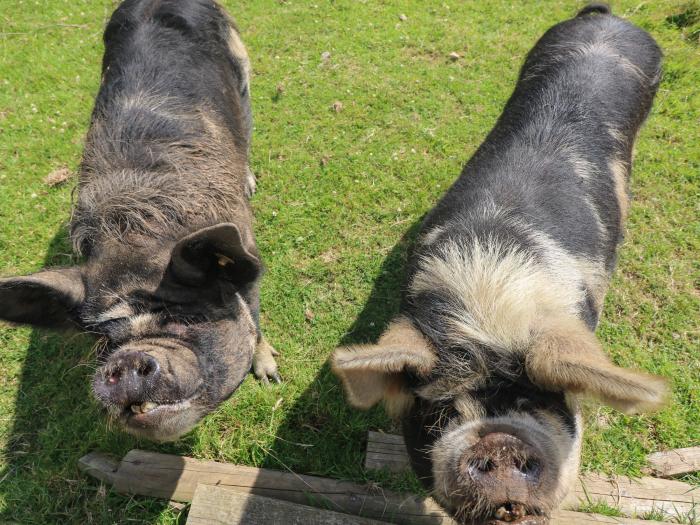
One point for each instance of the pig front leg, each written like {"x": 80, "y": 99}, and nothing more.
{"x": 264, "y": 364}
{"x": 250, "y": 182}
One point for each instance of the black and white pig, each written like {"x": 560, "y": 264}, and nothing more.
{"x": 171, "y": 271}
{"x": 495, "y": 338}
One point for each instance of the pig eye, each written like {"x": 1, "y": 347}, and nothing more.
{"x": 522, "y": 403}
{"x": 158, "y": 309}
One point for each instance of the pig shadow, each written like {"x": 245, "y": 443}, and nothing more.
{"x": 308, "y": 437}
{"x": 55, "y": 422}
{"x": 321, "y": 434}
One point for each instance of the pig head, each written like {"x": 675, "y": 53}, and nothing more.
{"x": 176, "y": 321}
{"x": 495, "y": 436}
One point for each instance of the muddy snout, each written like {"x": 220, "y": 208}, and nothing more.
{"x": 128, "y": 379}
{"x": 503, "y": 462}
{"x": 507, "y": 472}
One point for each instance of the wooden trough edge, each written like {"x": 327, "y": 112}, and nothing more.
{"x": 177, "y": 478}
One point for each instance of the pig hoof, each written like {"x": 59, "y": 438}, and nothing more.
{"x": 250, "y": 183}
{"x": 264, "y": 365}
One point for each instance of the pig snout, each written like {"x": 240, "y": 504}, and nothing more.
{"x": 507, "y": 471}
{"x": 503, "y": 460}
{"x": 127, "y": 379}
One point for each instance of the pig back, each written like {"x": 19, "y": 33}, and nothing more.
{"x": 167, "y": 148}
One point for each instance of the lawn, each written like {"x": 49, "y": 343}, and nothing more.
{"x": 350, "y": 151}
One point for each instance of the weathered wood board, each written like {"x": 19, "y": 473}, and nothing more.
{"x": 631, "y": 496}
{"x": 674, "y": 462}
{"x": 636, "y": 496}
{"x": 386, "y": 451}
{"x": 212, "y": 505}
{"x": 567, "y": 517}
{"x": 176, "y": 478}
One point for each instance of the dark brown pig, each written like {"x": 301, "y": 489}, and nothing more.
{"x": 495, "y": 339}
{"x": 171, "y": 271}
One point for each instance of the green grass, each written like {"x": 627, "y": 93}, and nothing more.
{"x": 339, "y": 198}
{"x": 602, "y": 508}
{"x": 691, "y": 517}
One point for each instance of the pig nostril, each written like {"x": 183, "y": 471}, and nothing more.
{"x": 113, "y": 378}
{"x": 148, "y": 367}
{"x": 479, "y": 467}
{"x": 485, "y": 465}
{"x": 530, "y": 467}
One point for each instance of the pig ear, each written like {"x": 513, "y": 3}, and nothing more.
{"x": 371, "y": 373}
{"x": 220, "y": 252}
{"x": 568, "y": 357}
{"x": 50, "y": 299}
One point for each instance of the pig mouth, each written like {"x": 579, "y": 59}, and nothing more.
{"x": 516, "y": 514}
{"x": 149, "y": 413}
{"x": 510, "y": 513}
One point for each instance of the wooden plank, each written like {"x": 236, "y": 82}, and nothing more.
{"x": 100, "y": 466}
{"x": 381, "y": 437}
{"x": 174, "y": 477}
{"x": 633, "y": 497}
{"x": 390, "y": 460}
{"x": 212, "y": 505}
{"x": 674, "y": 462}
{"x": 216, "y": 505}
{"x": 387, "y": 448}
{"x": 567, "y": 517}
{"x": 386, "y": 451}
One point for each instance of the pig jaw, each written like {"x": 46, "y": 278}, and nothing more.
{"x": 475, "y": 491}
{"x": 175, "y": 405}
{"x": 164, "y": 422}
